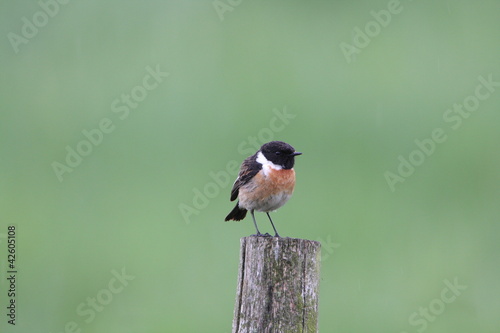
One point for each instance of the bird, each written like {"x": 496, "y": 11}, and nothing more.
{"x": 265, "y": 182}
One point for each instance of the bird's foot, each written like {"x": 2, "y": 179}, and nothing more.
{"x": 261, "y": 235}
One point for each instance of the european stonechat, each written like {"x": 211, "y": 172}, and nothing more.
{"x": 265, "y": 182}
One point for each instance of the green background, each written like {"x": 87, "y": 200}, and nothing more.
{"x": 386, "y": 253}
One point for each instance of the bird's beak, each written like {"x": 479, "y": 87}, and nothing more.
{"x": 296, "y": 153}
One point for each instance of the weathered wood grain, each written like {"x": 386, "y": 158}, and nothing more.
{"x": 278, "y": 284}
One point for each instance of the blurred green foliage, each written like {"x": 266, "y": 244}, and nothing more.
{"x": 387, "y": 254}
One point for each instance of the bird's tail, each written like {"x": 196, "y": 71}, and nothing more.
{"x": 236, "y": 214}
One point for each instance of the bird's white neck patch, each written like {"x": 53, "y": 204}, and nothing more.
{"x": 266, "y": 164}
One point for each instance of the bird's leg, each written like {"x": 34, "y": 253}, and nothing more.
{"x": 255, "y": 223}
{"x": 276, "y": 232}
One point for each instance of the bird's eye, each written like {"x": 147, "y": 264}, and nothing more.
{"x": 278, "y": 153}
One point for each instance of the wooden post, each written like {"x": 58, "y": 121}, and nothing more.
{"x": 278, "y": 284}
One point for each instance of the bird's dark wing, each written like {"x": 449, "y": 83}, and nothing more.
{"x": 249, "y": 168}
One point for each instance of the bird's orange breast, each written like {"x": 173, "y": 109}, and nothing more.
{"x": 275, "y": 182}
{"x": 280, "y": 180}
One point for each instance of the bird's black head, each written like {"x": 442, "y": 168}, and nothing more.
{"x": 280, "y": 153}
